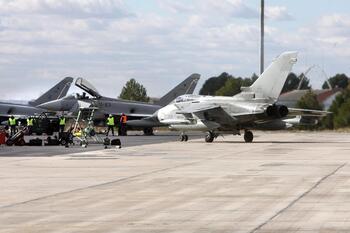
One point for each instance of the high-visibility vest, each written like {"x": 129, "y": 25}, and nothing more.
{"x": 63, "y": 121}
{"x": 110, "y": 121}
{"x": 29, "y": 122}
{"x": 124, "y": 119}
{"x": 12, "y": 121}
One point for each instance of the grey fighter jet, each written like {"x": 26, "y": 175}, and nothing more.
{"x": 106, "y": 105}
{"x": 31, "y": 108}
{"x": 254, "y": 108}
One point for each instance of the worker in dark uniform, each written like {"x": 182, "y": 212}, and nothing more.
{"x": 123, "y": 120}
{"x": 110, "y": 124}
{"x": 12, "y": 124}
{"x": 62, "y": 124}
{"x": 30, "y": 123}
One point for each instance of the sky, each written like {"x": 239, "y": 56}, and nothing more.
{"x": 161, "y": 42}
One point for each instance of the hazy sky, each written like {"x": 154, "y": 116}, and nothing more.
{"x": 160, "y": 42}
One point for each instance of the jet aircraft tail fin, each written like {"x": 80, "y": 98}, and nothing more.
{"x": 185, "y": 87}
{"x": 271, "y": 81}
{"x": 58, "y": 91}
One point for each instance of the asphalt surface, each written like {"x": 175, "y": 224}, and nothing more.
{"x": 133, "y": 139}
{"x": 290, "y": 182}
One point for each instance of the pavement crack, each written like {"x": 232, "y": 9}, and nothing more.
{"x": 297, "y": 199}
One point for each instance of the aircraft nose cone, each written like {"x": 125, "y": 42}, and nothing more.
{"x": 54, "y": 105}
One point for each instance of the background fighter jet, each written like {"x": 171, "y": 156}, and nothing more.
{"x": 254, "y": 108}
{"x": 31, "y": 108}
{"x": 106, "y": 105}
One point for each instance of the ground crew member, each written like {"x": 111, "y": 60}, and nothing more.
{"x": 12, "y": 124}
{"x": 123, "y": 120}
{"x": 30, "y": 123}
{"x": 78, "y": 133}
{"x": 110, "y": 124}
{"x": 62, "y": 124}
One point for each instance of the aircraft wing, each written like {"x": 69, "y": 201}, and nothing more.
{"x": 307, "y": 112}
{"x": 212, "y": 115}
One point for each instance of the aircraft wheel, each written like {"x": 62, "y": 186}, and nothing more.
{"x": 148, "y": 131}
{"x": 185, "y": 137}
{"x": 248, "y": 136}
{"x": 63, "y": 142}
{"x": 209, "y": 137}
{"x": 181, "y": 138}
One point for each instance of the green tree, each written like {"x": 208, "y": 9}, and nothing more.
{"x": 233, "y": 86}
{"x": 134, "y": 91}
{"x": 340, "y": 109}
{"x": 293, "y": 82}
{"x": 305, "y": 85}
{"x": 214, "y": 83}
{"x": 338, "y": 80}
{"x": 309, "y": 101}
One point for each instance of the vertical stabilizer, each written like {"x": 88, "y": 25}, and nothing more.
{"x": 58, "y": 91}
{"x": 271, "y": 81}
{"x": 186, "y": 87}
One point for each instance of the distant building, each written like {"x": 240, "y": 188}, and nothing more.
{"x": 324, "y": 97}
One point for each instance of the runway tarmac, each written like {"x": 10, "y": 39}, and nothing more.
{"x": 135, "y": 138}
{"x": 283, "y": 182}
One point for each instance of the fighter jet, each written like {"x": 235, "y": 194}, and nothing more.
{"x": 106, "y": 105}
{"x": 254, "y": 108}
{"x": 31, "y": 108}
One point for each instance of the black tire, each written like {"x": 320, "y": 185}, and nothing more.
{"x": 181, "y": 138}
{"x": 185, "y": 138}
{"x": 209, "y": 137}
{"x": 148, "y": 131}
{"x": 63, "y": 142}
{"x": 248, "y": 136}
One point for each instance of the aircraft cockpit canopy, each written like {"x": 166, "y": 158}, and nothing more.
{"x": 185, "y": 98}
{"x": 88, "y": 87}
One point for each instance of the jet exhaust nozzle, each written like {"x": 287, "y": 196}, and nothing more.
{"x": 277, "y": 111}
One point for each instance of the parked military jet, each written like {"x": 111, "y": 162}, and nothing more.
{"x": 31, "y": 108}
{"x": 106, "y": 105}
{"x": 254, "y": 108}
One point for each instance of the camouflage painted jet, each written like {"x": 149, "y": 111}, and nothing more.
{"x": 107, "y": 105}
{"x": 31, "y": 108}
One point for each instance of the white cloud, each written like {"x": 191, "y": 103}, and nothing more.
{"x": 43, "y": 41}
{"x": 74, "y": 8}
{"x": 278, "y": 13}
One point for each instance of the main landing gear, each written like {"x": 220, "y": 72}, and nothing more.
{"x": 210, "y": 137}
{"x": 248, "y": 136}
{"x": 183, "y": 138}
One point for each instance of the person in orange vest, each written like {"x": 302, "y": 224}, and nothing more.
{"x": 123, "y": 120}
